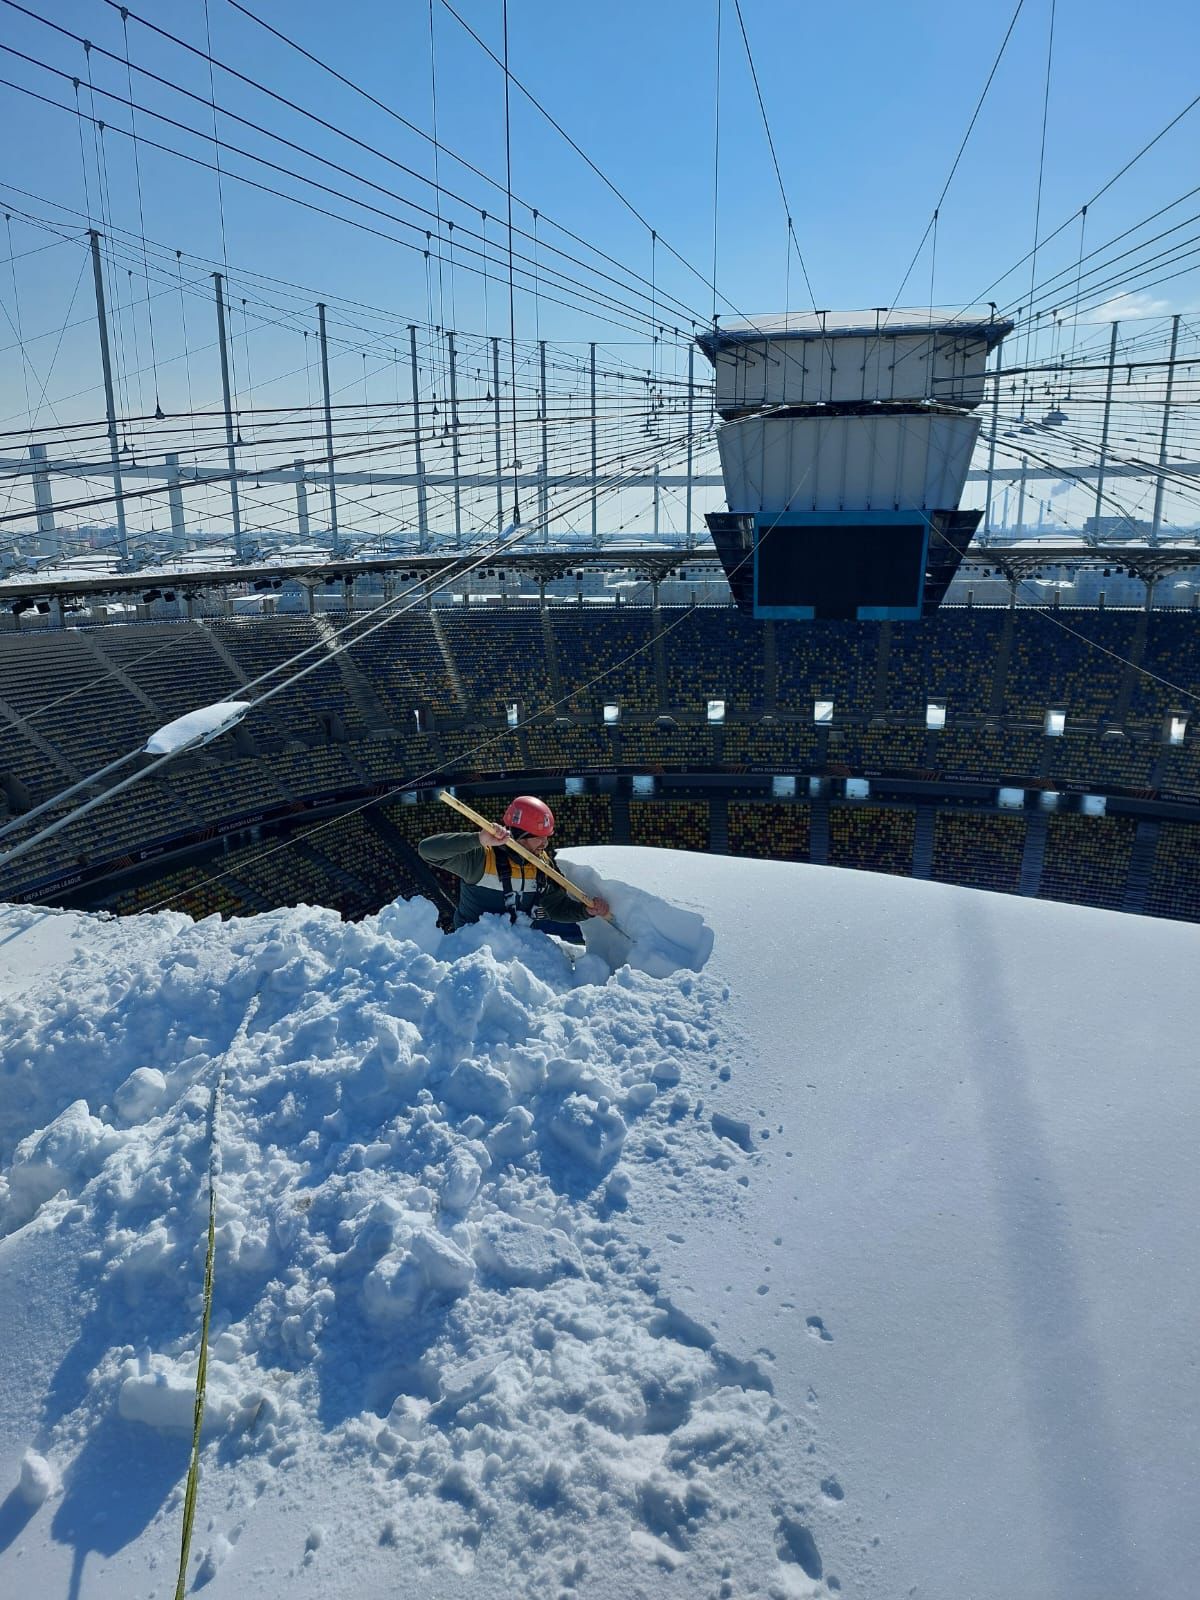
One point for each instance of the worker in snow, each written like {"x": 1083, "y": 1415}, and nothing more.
{"x": 496, "y": 880}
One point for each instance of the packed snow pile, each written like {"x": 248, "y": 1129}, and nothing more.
{"x": 811, "y": 1259}
{"x": 423, "y": 1266}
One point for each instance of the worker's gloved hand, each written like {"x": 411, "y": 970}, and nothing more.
{"x": 494, "y": 836}
{"x": 598, "y": 906}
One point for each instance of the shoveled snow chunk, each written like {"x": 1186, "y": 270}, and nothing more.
{"x": 733, "y": 1129}
{"x": 138, "y": 1096}
{"x": 462, "y": 1180}
{"x": 38, "y": 1479}
{"x": 204, "y": 723}
{"x": 522, "y": 1253}
{"x": 164, "y": 1396}
{"x": 63, "y": 1155}
{"x": 592, "y": 1130}
{"x": 469, "y": 1381}
{"x": 430, "y": 1267}
{"x": 658, "y": 938}
{"x": 656, "y": 1550}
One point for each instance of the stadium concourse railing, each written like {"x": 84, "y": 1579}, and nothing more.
{"x": 706, "y": 705}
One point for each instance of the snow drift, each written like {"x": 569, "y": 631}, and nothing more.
{"x": 780, "y": 1265}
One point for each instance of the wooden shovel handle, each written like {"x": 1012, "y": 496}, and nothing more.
{"x": 545, "y": 867}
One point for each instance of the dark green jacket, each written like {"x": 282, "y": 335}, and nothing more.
{"x": 483, "y": 888}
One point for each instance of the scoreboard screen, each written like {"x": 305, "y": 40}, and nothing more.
{"x": 840, "y": 566}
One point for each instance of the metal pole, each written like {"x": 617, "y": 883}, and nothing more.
{"x": 110, "y": 409}
{"x": 656, "y": 500}
{"x": 687, "y": 515}
{"x": 544, "y": 487}
{"x": 422, "y": 507}
{"x": 496, "y": 411}
{"x": 1162, "y": 448}
{"x": 229, "y": 437}
{"x": 595, "y": 508}
{"x": 301, "y": 498}
{"x": 175, "y": 502}
{"x": 1021, "y": 496}
{"x": 333, "y": 523}
{"x": 43, "y": 503}
{"x": 1112, "y": 360}
{"x": 454, "y": 440}
{"x": 987, "y": 515}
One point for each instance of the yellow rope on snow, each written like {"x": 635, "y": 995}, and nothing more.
{"x": 193, "y": 1477}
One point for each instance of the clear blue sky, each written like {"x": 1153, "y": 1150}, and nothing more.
{"x": 868, "y": 101}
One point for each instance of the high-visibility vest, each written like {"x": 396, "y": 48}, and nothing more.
{"x": 508, "y": 884}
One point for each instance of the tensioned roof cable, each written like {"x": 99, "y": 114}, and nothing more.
{"x": 958, "y": 155}
{"x": 585, "y": 294}
{"x": 1037, "y": 213}
{"x": 470, "y": 750}
{"x": 512, "y": 313}
{"x": 440, "y": 189}
{"x": 585, "y": 297}
{"x": 456, "y": 574}
{"x": 1090, "y": 202}
{"x": 774, "y": 157}
{"x": 421, "y": 133}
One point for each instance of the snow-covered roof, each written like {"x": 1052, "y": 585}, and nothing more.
{"x": 820, "y": 1269}
{"x": 853, "y": 324}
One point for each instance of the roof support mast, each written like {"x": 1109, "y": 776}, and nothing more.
{"x": 1162, "y": 448}
{"x": 687, "y": 515}
{"x": 499, "y": 444}
{"x": 110, "y": 409}
{"x": 1112, "y": 361}
{"x": 454, "y": 440}
{"x": 595, "y": 512}
{"x": 422, "y": 507}
{"x": 333, "y": 522}
{"x": 544, "y": 487}
{"x": 230, "y": 450}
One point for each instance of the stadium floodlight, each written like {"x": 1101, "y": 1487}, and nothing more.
{"x": 196, "y": 728}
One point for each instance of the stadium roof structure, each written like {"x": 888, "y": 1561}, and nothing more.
{"x": 545, "y": 566}
{"x": 1149, "y": 562}
{"x": 1145, "y": 561}
{"x": 878, "y": 320}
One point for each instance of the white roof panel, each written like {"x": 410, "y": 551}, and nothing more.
{"x": 833, "y": 324}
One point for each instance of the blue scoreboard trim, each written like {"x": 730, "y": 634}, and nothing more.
{"x": 765, "y": 521}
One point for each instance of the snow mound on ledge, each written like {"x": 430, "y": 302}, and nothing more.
{"x": 425, "y": 1267}
{"x": 650, "y": 936}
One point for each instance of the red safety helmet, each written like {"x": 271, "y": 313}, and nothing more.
{"x": 528, "y": 814}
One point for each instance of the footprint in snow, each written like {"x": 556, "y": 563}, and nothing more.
{"x": 818, "y": 1330}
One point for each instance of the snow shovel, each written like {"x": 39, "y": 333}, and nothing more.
{"x": 544, "y": 867}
